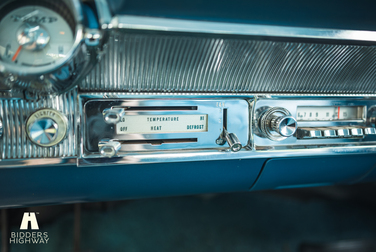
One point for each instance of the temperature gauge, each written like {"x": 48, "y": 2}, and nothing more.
{"x": 330, "y": 113}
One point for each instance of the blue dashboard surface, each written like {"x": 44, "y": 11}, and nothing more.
{"x": 347, "y": 14}
{"x": 282, "y": 173}
{"x": 69, "y": 184}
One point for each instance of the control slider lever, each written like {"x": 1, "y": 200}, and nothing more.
{"x": 232, "y": 140}
{"x": 113, "y": 115}
{"x": 108, "y": 147}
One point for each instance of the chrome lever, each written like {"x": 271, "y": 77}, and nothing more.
{"x": 108, "y": 147}
{"x": 113, "y": 115}
{"x": 231, "y": 139}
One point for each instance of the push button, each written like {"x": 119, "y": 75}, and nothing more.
{"x": 308, "y": 133}
{"x": 342, "y": 132}
{"x": 329, "y": 133}
{"x": 369, "y": 131}
{"x": 356, "y": 132}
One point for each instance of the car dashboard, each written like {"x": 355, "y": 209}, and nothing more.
{"x": 109, "y": 100}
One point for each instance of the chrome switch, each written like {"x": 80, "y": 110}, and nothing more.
{"x": 113, "y": 115}
{"x": 308, "y": 133}
{"x": 369, "y": 131}
{"x": 342, "y": 132}
{"x": 329, "y": 133}
{"x": 233, "y": 141}
{"x": 108, "y": 147}
{"x": 356, "y": 132}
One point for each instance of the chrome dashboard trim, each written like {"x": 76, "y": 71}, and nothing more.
{"x": 208, "y": 27}
{"x": 137, "y": 61}
{"x": 148, "y": 158}
{"x": 188, "y": 155}
{"x": 217, "y": 111}
{"x": 104, "y": 13}
{"x": 37, "y": 162}
{"x": 14, "y": 144}
{"x": 62, "y": 75}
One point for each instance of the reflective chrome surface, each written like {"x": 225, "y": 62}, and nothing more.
{"x": 271, "y": 123}
{"x": 321, "y": 143}
{"x": 156, "y": 67}
{"x": 311, "y": 134}
{"x": 46, "y": 127}
{"x": 229, "y": 113}
{"x": 164, "y": 62}
{"x": 43, "y": 131}
{"x": 192, "y": 26}
{"x": 14, "y": 113}
{"x": 108, "y": 148}
{"x": 284, "y": 125}
{"x": 113, "y": 115}
{"x": 49, "y": 69}
{"x": 233, "y": 141}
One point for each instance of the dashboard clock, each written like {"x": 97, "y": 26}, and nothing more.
{"x": 42, "y": 49}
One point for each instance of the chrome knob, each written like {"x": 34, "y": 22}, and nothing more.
{"x": 276, "y": 124}
{"x": 233, "y": 141}
{"x": 284, "y": 125}
{"x": 46, "y": 127}
{"x": 113, "y": 115}
{"x": 108, "y": 148}
{"x": 43, "y": 131}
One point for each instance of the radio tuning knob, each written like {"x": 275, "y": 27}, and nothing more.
{"x": 284, "y": 125}
{"x": 277, "y": 124}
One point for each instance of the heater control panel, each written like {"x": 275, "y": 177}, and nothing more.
{"x": 116, "y": 127}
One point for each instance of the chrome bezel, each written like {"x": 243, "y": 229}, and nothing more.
{"x": 43, "y": 80}
{"x": 291, "y": 105}
{"x": 60, "y": 119}
{"x": 205, "y": 140}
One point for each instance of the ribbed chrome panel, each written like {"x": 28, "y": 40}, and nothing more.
{"x": 14, "y": 143}
{"x": 171, "y": 63}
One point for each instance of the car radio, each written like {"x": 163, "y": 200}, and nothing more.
{"x": 309, "y": 123}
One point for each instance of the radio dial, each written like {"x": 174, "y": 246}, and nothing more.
{"x": 284, "y": 125}
{"x": 277, "y": 124}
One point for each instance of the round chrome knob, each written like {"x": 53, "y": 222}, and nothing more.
{"x": 284, "y": 125}
{"x": 276, "y": 124}
{"x": 43, "y": 131}
{"x": 46, "y": 127}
